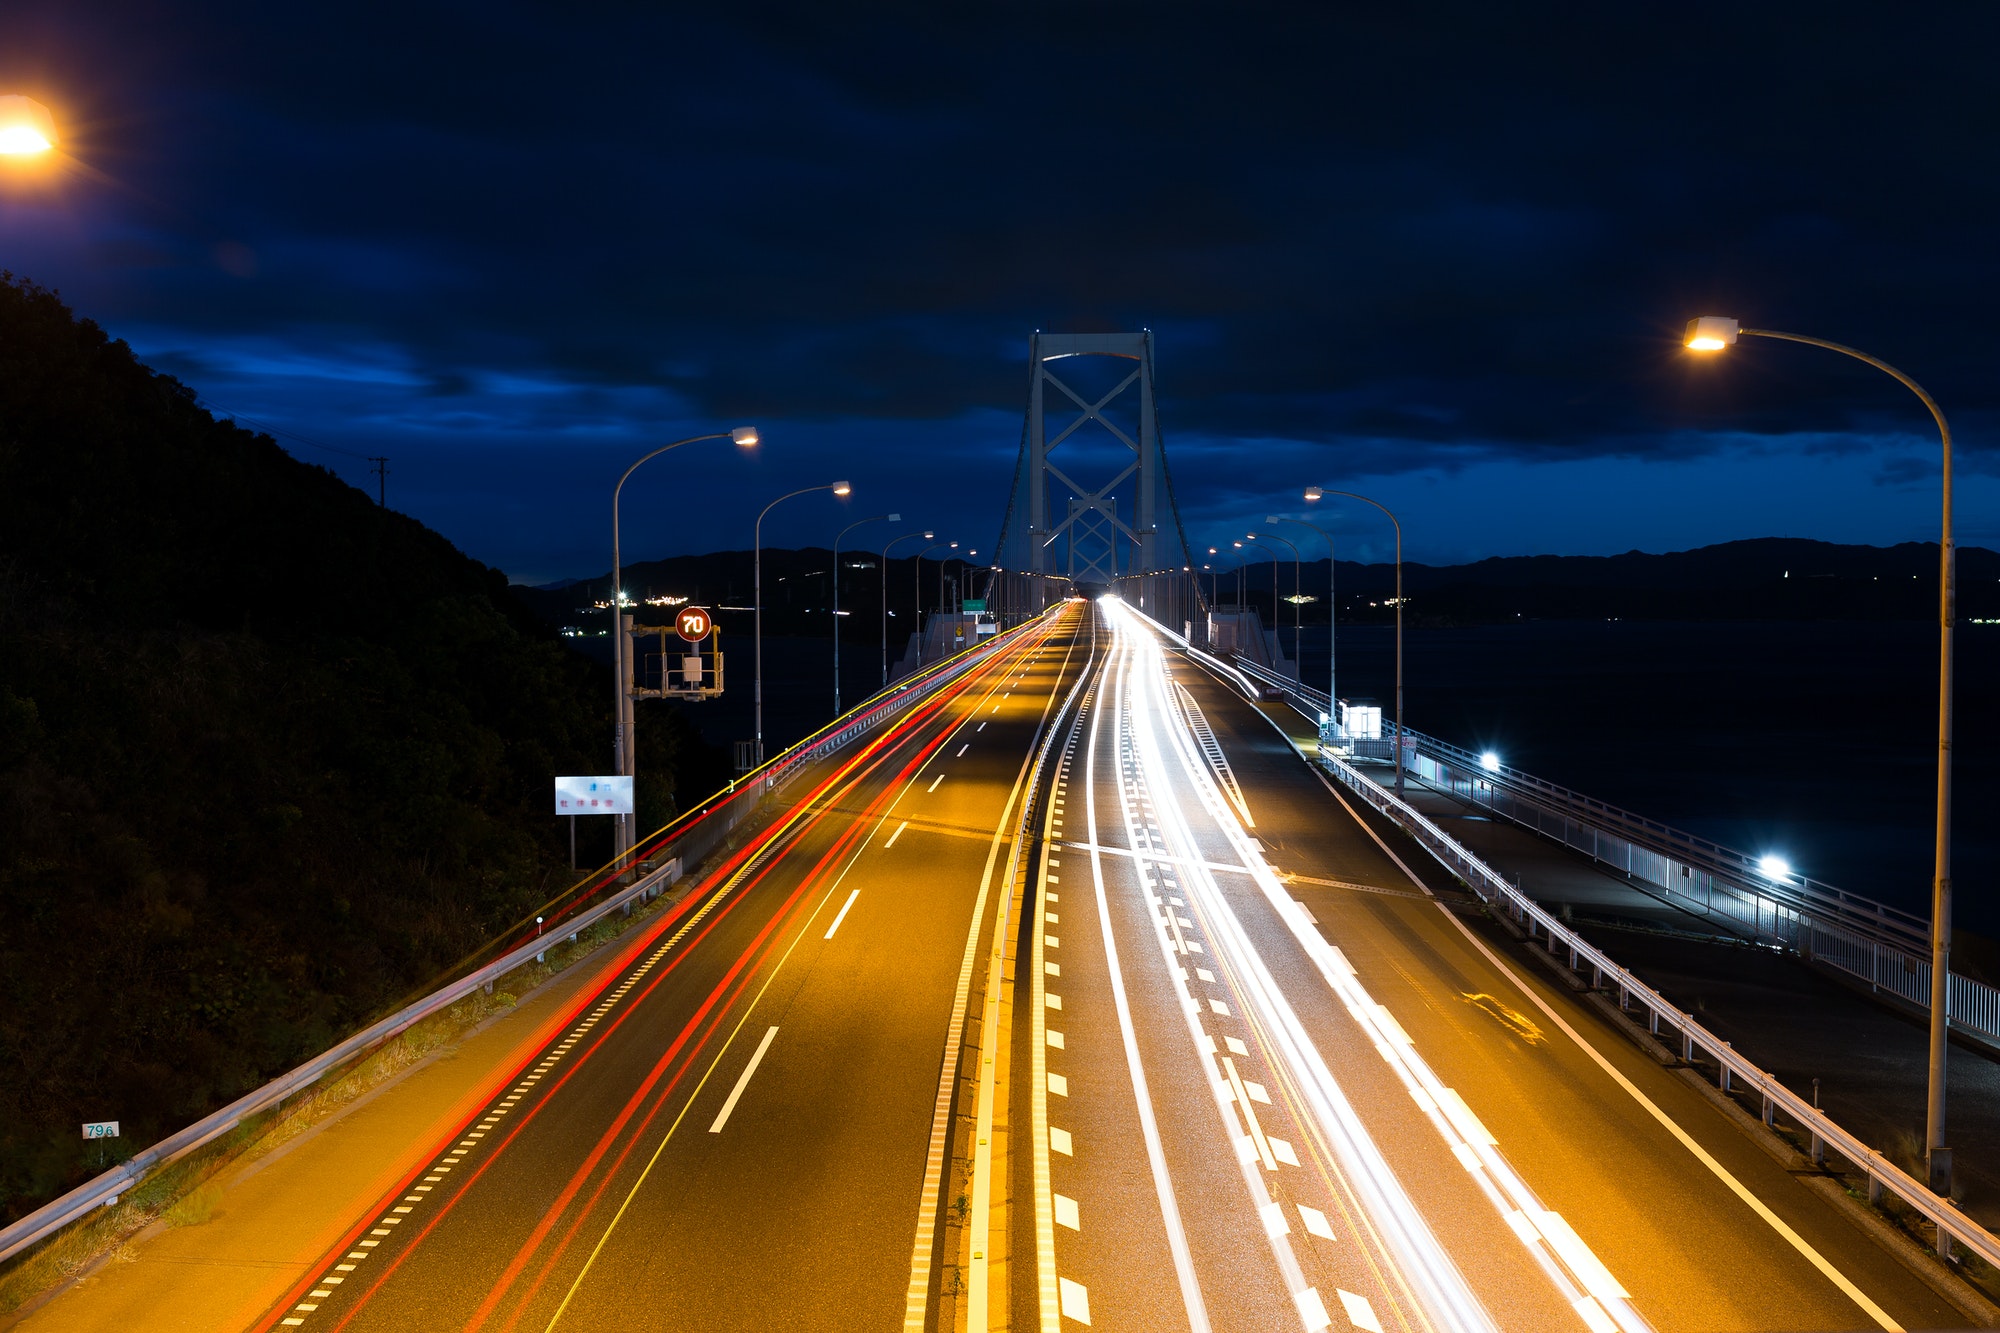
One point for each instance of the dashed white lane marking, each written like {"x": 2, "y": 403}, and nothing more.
{"x": 897, "y": 834}
{"x": 980, "y": 727}
{"x": 1075, "y": 1300}
{"x": 962, "y": 749}
{"x": 1060, "y": 1140}
{"x": 1058, "y": 1084}
{"x": 1066, "y": 1213}
{"x": 1316, "y": 1223}
{"x": 934, "y": 782}
{"x": 722, "y": 1117}
{"x": 843, "y": 913}
{"x": 1359, "y": 1312}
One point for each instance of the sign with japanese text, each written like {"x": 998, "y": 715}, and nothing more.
{"x": 594, "y": 796}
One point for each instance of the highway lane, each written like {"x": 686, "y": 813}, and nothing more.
{"x": 1204, "y": 1167}
{"x": 732, "y": 1132}
{"x": 1690, "y": 1250}
{"x": 1467, "y": 1163}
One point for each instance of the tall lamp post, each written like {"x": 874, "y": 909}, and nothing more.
{"x": 839, "y": 488}
{"x": 1713, "y": 333}
{"x": 1332, "y": 695}
{"x": 926, "y": 535}
{"x": 1296, "y": 576}
{"x": 879, "y": 518}
{"x": 1315, "y": 493}
{"x": 623, "y": 752}
{"x": 917, "y": 589}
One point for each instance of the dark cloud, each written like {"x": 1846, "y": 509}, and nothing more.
{"x": 1389, "y": 242}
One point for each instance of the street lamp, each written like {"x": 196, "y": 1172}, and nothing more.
{"x": 624, "y": 750}
{"x": 917, "y": 589}
{"x": 926, "y": 534}
{"x": 879, "y": 518}
{"x": 1715, "y": 333}
{"x": 839, "y": 488}
{"x": 26, "y": 127}
{"x": 1316, "y": 493}
{"x": 1272, "y": 536}
{"x": 1332, "y": 611}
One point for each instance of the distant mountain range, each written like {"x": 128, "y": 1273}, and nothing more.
{"x": 1767, "y": 578}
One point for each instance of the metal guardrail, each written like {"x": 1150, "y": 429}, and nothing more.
{"x": 1953, "y": 1226}
{"x": 1873, "y": 942}
{"x": 106, "y": 1189}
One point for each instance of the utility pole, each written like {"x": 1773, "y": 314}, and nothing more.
{"x": 381, "y": 471}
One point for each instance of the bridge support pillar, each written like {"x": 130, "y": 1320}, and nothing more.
{"x": 1770, "y": 1110}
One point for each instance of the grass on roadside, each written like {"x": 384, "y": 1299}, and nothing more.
{"x": 188, "y": 1192}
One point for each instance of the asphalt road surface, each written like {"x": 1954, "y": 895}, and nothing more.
{"x": 1266, "y": 1071}
{"x": 1283, "y": 1085}
{"x": 735, "y": 1131}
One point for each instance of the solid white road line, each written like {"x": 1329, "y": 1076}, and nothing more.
{"x": 1722, "y": 1173}
{"x": 1163, "y": 1185}
{"x": 843, "y": 913}
{"x": 722, "y": 1117}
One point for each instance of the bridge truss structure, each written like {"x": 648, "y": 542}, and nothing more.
{"x": 1098, "y": 542}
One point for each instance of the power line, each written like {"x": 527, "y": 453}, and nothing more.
{"x": 379, "y": 465}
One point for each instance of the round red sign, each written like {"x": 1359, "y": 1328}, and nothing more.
{"x": 695, "y": 624}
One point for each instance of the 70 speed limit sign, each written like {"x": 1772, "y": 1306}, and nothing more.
{"x": 694, "y": 624}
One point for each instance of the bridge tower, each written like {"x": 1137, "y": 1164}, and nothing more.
{"x": 1088, "y": 518}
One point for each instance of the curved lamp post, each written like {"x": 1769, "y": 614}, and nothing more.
{"x": 1315, "y": 493}
{"x": 624, "y": 758}
{"x": 840, "y": 488}
{"x": 926, "y": 535}
{"x": 1332, "y": 695}
{"x": 1714, "y": 333}
{"x": 878, "y": 518}
{"x": 1296, "y": 576}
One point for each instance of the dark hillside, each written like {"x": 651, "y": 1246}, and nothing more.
{"x": 270, "y": 756}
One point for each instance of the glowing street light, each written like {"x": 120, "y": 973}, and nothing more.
{"x": 926, "y": 534}
{"x": 1775, "y": 867}
{"x": 1713, "y": 333}
{"x": 1490, "y": 762}
{"x": 1320, "y": 493}
{"x": 839, "y": 488}
{"x": 624, "y": 756}
{"x": 26, "y": 127}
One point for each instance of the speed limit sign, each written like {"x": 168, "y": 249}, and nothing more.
{"x": 695, "y": 624}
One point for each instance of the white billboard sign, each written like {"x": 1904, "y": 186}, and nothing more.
{"x": 594, "y": 796}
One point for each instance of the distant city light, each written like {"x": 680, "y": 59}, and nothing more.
{"x": 1490, "y": 762}
{"x": 1775, "y": 867}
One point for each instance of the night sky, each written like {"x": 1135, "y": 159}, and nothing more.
{"x": 1442, "y": 256}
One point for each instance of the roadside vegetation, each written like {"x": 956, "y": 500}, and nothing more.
{"x": 271, "y": 757}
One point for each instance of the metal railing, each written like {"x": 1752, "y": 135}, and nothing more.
{"x": 1870, "y": 941}
{"x": 732, "y": 808}
{"x": 1953, "y": 1226}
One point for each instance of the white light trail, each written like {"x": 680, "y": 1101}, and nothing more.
{"x": 1584, "y": 1282}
